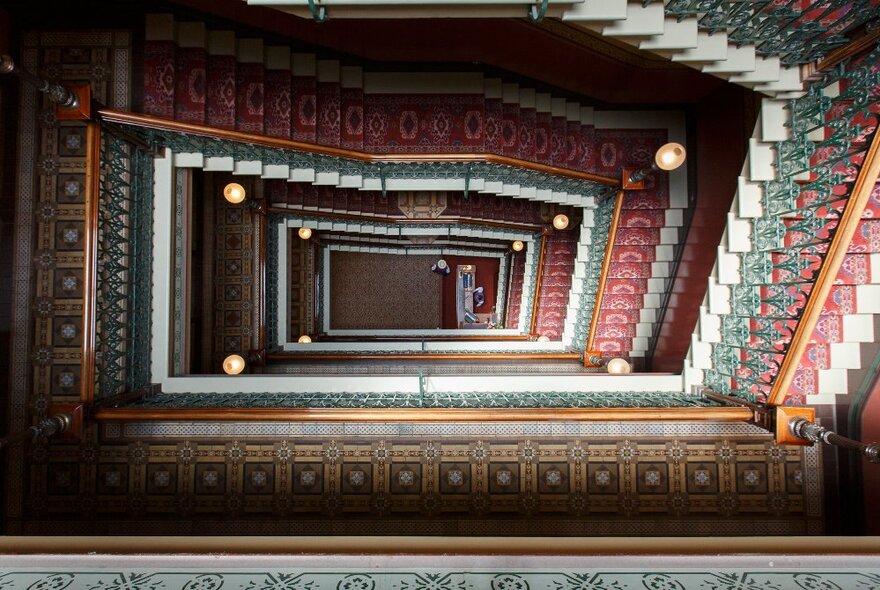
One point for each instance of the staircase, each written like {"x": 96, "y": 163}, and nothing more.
{"x": 556, "y": 283}
{"x": 514, "y": 297}
{"x": 770, "y": 186}
{"x": 649, "y": 227}
{"x": 756, "y": 44}
{"x": 211, "y": 77}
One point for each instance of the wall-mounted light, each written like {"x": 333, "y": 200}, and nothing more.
{"x": 618, "y": 366}
{"x": 305, "y": 233}
{"x": 518, "y": 246}
{"x": 233, "y": 364}
{"x": 304, "y": 339}
{"x": 560, "y": 222}
{"x": 234, "y": 193}
{"x": 668, "y": 157}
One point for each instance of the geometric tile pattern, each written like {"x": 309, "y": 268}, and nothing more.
{"x": 50, "y": 234}
{"x": 382, "y": 483}
{"x": 236, "y": 236}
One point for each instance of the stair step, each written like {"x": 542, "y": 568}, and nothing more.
{"x": 789, "y": 80}
{"x": 596, "y": 11}
{"x": 640, "y": 21}
{"x": 766, "y": 71}
{"x": 676, "y": 35}
{"x": 710, "y": 48}
{"x": 739, "y": 60}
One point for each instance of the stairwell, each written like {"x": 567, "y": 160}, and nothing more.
{"x": 211, "y": 77}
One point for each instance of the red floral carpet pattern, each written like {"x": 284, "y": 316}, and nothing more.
{"x": 842, "y": 300}
{"x": 642, "y": 217}
{"x": 559, "y": 256}
{"x": 514, "y": 297}
{"x": 190, "y": 85}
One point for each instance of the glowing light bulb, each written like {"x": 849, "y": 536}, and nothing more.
{"x": 618, "y": 366}
{"x": 518, "y": 246}
{"x": 233, "y": 364}
{"x": 304, "y": 339}
{"x": 670, "y": 156}
{"x": 560, "y": 222}
{"x": 234, "y": 193}
{"x": 543, "y": 339}
{"x": 305, "y": 233}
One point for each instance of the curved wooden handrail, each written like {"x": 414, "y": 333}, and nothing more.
{"x": 846, "y": 228}
{"x": 603, "y": 276}
{"x": 154, "y": 122}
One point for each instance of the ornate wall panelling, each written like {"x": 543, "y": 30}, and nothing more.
{"x": 47, "y": 313}
{"x": 237, "y": 285}
{"x": 386, "y": 478}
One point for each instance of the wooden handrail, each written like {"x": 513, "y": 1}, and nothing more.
{"x": 123, "y": 414}
{"x": 468, "y": 338}
{"x": 90, "y": 261}
{"x": 539, "y": 278}
{"x": 345, "y": 240}
{"x": 154, "y": 122}
{"x": 855, "y": 47}
{"x": 423, "y": 356}
{"x": 530, "y": 228}
{"x": 843, "y": 235}
{"x": 603, "y": 275}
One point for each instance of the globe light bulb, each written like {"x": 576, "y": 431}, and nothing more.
{"x": 234, "y": 193}
{"x": 618, "y": 366}
{"x": 543, "y": 339}
{"x": 560, "y": 222}
{"x": 670, "y": 156}
{"x": 305, "y": 233}
{"x": 304, "y": 339}
{"x": 233, "y": 364}
{"x": 518, "y": 246}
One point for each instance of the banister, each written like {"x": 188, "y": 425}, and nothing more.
{"x": 90, "y": 260}
{"x": 154, "y": 122}
{"x": 404, "y": 221}
{"x": 603, "y": 276}
{"x": 136, "y": 414}
{"x": 837, "y": 249}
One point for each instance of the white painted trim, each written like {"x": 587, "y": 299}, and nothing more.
{"x": 436, "y": 332}
{"x": 282, "y": 286}
{"x": 163, "y": 268}
{"x": 528, "y": 285}
{"x": 407, "y": 252}
{"x": 326, "y": 293}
